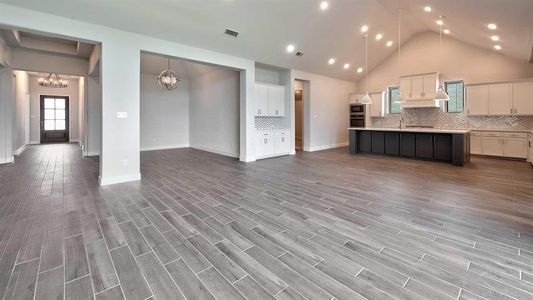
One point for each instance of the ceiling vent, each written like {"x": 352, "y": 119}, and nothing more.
{"x": 231, "y": 33}
{"x": 299, "y": 53}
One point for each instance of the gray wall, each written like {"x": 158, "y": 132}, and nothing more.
{"x": 164, "y": 115}
{"x": 22, "y": 105}
{"x": 6, "y": 120}
{"x": 93, "y": 144}
{"x": 214, "y": 112}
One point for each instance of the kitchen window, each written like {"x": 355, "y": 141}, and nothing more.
{"x": 394, "y": 107}
{"x": 456, "y": 91}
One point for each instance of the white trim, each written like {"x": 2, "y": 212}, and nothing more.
{"x": 234, "y": 155}
{"x": 9, "y": 160}
{"x": 119, "y": 179}
{"x": 91, "y": 153}
{"x": 34, "y": 142}
{"x": 74, "y": 141}
{"x": 19, "y": 150}
{"x": 246, "y": 159}
{"x": 273, "y": 155}
{"x": 325, "y": 147}
{"x": 152, "y": 148}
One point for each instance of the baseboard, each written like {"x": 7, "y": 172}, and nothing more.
{"x": 74, "y": 141}
{"x": 19, "y": 150}
{"x": 91, "y": 153}
{"x": 319, "y": 148}
{"x": 234, "y": 155}
{"x": 152, "y": 148}
{"x": 246, "y": 159}
{"x": 273, "y": 155}
{"x": 34, "y": 142}
{"x": 8, "y": 160}
{"x": 119, "y": 179}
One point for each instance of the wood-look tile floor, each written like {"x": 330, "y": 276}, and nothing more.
{"x": 318, "y": 225}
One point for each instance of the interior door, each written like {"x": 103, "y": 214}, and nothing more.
{"x": 54, "y": 119}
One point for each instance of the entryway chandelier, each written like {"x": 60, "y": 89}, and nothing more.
{"x": 168, "y": 79}
{"x": 53, "y": 81}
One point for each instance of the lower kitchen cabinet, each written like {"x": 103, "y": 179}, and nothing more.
{"x": 443, "y": 147}
{"x": 392, "y": 143}
{"x": 424, "y": 145}
{"x": 270, "y": 143}
{"x": 502, "y": 144}
{"x": 378, "y": 142}
{"x": 407, "y": 144}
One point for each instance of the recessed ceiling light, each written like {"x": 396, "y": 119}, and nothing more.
{"x": 389, "y": 43}
{"x": 364, "y": 29}
{"x": 440, "y": 22}
{"x": 427, "y": 8}
{"x": 290, "y": 48}
{"x": 497, "y": 47}
{"x": 495, "y": 38}
{"x": 359, "y": 70}
{"x": 331, "y": 61}
{"x": 346, "y": 66}
{"x": 324, "y": 5}
{"x": 379, "y": 36}
{"x": 492, "y": 26}
{"x": 446, "y": 31}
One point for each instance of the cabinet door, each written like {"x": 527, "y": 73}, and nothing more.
{"x": 492, "y": 146}
{"x": 430, "y": 86}
{"x": 405, "y": 86}
{"x": 282, "y": 142}
{"x": 261, "y": 100}
{"x": 424, "y": 145}
{"x": 377, "y": 108}
{"x": 442, "y": 147}
{"x": 378, "y": 142}
{"x": 417, "y": 87}
{"x": 264, "y": 145}
{"x": 515, "y": 148}
{"x": 392, "y": 143}
{"x": 500, "y": 99}
{"x": 407, "y": 144}
{"x": 477, "y": 100}
{"x": 475, "y": 145}
{"x": 276, "y": 101}
{"x": 523, "y": 98}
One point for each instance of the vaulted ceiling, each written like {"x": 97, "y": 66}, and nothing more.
{"x": 266, "y": 27}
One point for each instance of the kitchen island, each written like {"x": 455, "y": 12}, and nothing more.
{"x": 444, "y": 145}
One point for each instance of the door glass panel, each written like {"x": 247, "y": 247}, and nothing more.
{"x": 60, "y": 103}
{"x": 60, "y": 124}
{"x": 49, "y": 103}
{"x": 49, "y": 125}
{"x": 48, "y": 114}
{"x": 60, "y": 114}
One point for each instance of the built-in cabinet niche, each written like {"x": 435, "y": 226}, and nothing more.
{"x": 269, "y": 100}
{"x": 377, "y": 108}
{"x": 500, "y": 99}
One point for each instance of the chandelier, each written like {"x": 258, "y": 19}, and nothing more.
{"x": 53, "y": 81}
{"x": 168, "y": 79}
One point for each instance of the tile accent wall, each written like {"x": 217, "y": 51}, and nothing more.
{"x": 437, "y": 118}
{"x": 266, "y": 123}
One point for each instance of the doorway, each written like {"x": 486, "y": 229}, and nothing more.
{"x": 298, "y": 108}
{"x": 54, "y": 119}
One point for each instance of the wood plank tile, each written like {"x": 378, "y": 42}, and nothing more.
{"x": 251, "y": 289}
{"x": 114, "y": 293}
{"x": 23, "y": 281}
{"x": 190, "y": 255}
{"x": 102, "y": 272}
{"x": 158, "y": 278}
{"x": 218, "y": 285}
{"x": 133, "y": 284}
{"x": 76, "y": 264}
{"x": 112, "y": 234}
{"x": 159, "y": 244}
{"x": 79, "y": 289}
{"x": 50, "y": 285}
{"x": 134, "y": 238}
{"x": 189, "y": 284}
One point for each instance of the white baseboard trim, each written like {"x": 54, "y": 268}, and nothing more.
{"x": 247, "y": 159}
{"x": 152, "y": 148}
{"x": 34, "y": 142}
{"x": 273, "y": 155}
{"x": 91, "y": 153}
{"x": 8, "y": 160}
{"x": 325, "y": 147}
{"x": 119, "y": 179}
{"x": 74, "y": 141}
{"x": 19, "y": 150}
{"x": 234, "y": 155}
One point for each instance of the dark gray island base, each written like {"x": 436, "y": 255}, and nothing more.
{"x": 451, "y": 146}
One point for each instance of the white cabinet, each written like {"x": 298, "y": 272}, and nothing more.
{"x": 261, "y": 100}
{"x": 419, "y": 87}
{"x": 475, "y": 145}
{"x": 270, "y": 143}
{"x": 515, "y": 147}
{"x": 523, "y": 98}
{"x": 356, "y": 98}
{"x": 430, "y": 86}
{"x": 377, "y": 108}
{"x": 477, "y": 103}
{"x": 501, "y": 99}
{"x": 503, "y": 144}
{"x": 269, "y": 100}
{"x": 405, "y": 86}
{"x": 492, "y": 146}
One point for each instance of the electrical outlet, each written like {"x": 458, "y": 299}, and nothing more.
{"x": 124, "y": 163}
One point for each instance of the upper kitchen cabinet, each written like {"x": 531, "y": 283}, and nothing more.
{"x": 269, "y": 100}
{"x": 377, "y": 108}
{"x": 523, "y": 98}
{"x": 419, "y": 90}
{"x": 502, "y": 99}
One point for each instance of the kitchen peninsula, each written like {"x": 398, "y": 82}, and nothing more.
{"x": 444, "y": 145}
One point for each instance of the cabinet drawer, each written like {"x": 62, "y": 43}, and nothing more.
{"x": 515, "y": 134}
{"x": 486, "y": 133}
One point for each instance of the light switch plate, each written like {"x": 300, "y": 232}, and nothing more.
{"x": 122, "y": 115}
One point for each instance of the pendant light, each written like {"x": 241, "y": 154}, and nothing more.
{"x": 366, "y": 98}
{"x": 441, "y": 94}
{"x": 168, "y": 79}
{"x": 400, "y": 98}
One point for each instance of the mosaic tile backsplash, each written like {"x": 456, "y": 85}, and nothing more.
{"x": 437, "y": 118}
{"x": 266, "y": 123}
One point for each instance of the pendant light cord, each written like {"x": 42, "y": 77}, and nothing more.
{"x": 366, "y": 63}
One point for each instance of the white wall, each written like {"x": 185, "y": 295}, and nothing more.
{"x": 81, "y": 111}
{"x": 22, "y": 106}
{"x": 4, "y": 54}
{"x": 6, "y": 115}
{"x": 214, "y": 112}
{"x": 326, "y": 108}
{"x": 457, "y": 60}
{"x": 72, "y": 91}
{"x": 164, "y": 115}
{"x": 30, "y": 60}
{"x": 93, "y": 139}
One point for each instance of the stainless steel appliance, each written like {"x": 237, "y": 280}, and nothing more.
{"x": 357, "y": 115}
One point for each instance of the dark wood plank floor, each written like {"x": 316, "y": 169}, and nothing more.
{"x": 318, "y": 225}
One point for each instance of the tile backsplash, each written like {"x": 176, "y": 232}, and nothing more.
{"x": 437, "y": 118}
{"x": 265, "y": 123}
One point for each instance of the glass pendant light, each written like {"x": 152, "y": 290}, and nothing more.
{"x": 366, "y": 98}
{"x": 441, "y": 94}
{"x": 400, "y": 98}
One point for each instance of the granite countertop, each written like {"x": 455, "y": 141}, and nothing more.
{"x": 429, "y": 130}
{"x": 503, "y": 130}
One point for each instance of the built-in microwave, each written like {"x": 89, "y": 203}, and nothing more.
{"x": 357, "y": 109}
{"x": 357, "y": 121}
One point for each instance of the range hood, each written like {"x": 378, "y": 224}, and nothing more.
{"x": 419, "y": 90}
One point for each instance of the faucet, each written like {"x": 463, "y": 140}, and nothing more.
{"x": 401, "y": 122}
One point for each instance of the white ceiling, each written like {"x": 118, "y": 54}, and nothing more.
{"x": 267, "y": 26}
{"x": 154, "y": 64}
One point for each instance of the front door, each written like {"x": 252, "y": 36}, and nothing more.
{"x": 54, "y": 119}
